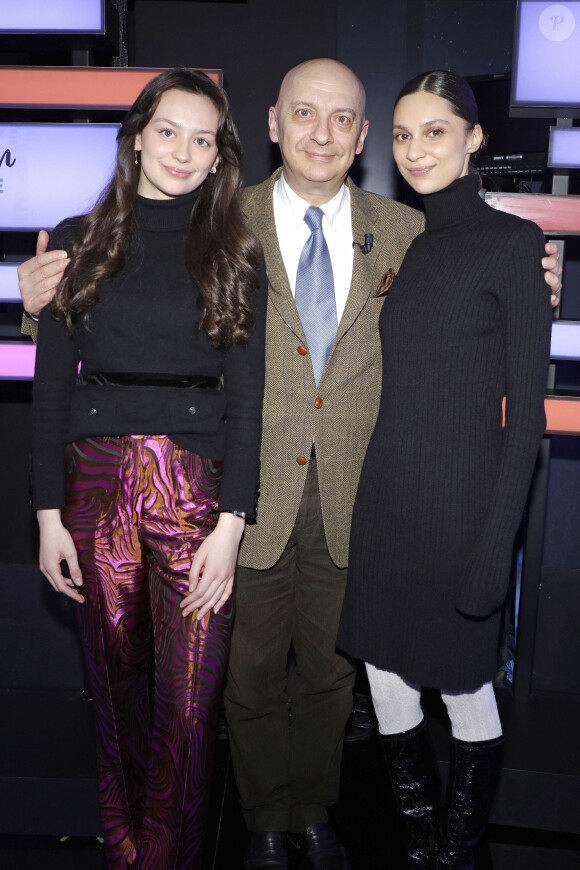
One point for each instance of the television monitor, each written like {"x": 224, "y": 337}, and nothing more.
{"x": 564, "y": 151}
{"x": 17, "y": 360}
{"x": 58, "y": 24}
{"x": 51, "y": 171}
{"x": 9, "y": 283}
{"x": 565, "y": 340}
{"x": 58, "y": 15}
{"x": 546, "y": 60}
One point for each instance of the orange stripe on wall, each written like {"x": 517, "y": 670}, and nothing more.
{"x": 553, "y": 214}
{"x": 75, "y": 87}
{"x": 562, "y": 415}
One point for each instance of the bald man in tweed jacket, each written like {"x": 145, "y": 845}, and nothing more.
{"x": 292, "y": 563}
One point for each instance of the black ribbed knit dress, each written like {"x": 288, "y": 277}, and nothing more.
{"x": 466, "y": 322}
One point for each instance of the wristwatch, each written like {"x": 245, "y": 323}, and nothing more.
{"x": 241, "y": 514}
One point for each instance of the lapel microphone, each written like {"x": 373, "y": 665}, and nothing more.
{"x": 368, "y": 243}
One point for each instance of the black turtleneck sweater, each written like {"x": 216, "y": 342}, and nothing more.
{"x": 465, "y": 323}
{"x": 144, "y": 323}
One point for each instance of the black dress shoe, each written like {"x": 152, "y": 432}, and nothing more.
{"x": 321, "y": 848}
{"x": 267, "y": 850}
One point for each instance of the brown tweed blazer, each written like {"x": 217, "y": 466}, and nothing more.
{"x": 349, "y": 387}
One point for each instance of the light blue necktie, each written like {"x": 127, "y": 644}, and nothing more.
{"x": 315, "y": 298}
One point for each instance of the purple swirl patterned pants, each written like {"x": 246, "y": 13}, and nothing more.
{"x": 137, "y": 508}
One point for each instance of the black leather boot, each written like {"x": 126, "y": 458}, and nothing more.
{"x": 414, "y": 775}
{"x": 475, "y": 772}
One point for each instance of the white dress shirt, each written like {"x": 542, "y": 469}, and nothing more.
{"x": 289, "y": 211}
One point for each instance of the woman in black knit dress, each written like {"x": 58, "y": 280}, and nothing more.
{"x": 465, "y": 323}
{"x": 146, "y": 457}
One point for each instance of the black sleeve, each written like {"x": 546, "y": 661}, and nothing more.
{"x": 63, "y": 236}
{"x": 55, "y": 374}
{"x": 527, "y": 316}
{"x": 244, "y": 385}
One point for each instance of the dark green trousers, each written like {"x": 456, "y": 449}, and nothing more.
{"x": 286, "y": 750}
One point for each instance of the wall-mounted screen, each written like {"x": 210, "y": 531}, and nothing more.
{"x": 17, "y": 360}
{"x": 9, "y": 283}
{"x": 34, "y": 16}
{"x": 546, "y": 61}
{"x": 51, "y": 171}
{"x": 564, "y": 151}
{"x": 565, "y": 340}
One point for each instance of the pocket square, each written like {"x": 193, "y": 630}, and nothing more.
{"x": 384, "y": 284}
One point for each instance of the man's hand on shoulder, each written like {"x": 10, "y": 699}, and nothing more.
{"x": 553, "y": 271}
{"x": 39, "y": 277}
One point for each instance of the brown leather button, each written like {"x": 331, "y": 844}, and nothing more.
{"x": 301, "y": 460}
{"x": 301, "y": 350}
{"x": 318, "y": 403}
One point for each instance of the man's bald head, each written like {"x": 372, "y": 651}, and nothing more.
{"x": 324, "y": 69}
{"x": 319, "y": 123}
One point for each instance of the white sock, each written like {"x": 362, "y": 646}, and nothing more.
{"x": 397, "y": 703}
{"x": 474, "y": 715}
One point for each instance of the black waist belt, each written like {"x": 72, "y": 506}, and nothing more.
{"x": 141, "y": 379}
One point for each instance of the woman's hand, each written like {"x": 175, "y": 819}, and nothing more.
{"x": 56, "y": 546}
{"x": 211, "y": 578}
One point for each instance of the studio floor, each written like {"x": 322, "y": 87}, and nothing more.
{"x": 364, "y": 819}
